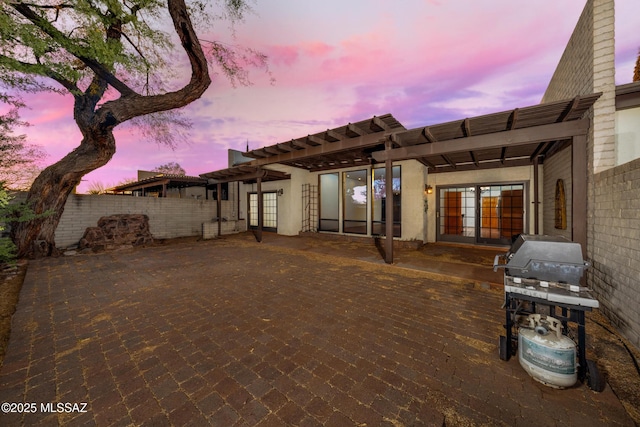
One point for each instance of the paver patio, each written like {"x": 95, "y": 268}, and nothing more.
{"x": 232, "y": 332}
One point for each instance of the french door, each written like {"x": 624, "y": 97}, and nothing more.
{"x": 269, "y": 214}
{"x": 489, "y": 214}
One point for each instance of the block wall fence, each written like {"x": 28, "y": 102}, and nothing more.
{"x": 168, "y": 217}
{"x": 613, "y": 223}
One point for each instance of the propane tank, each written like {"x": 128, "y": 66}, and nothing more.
{"x": 547, "y": 355}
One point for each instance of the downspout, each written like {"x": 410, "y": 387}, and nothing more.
{"x": 536, "y": 200}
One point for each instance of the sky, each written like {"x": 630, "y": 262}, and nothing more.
{"x": 335, "y": 62}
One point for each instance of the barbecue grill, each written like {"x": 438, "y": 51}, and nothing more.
{"x": 542, "y": 277}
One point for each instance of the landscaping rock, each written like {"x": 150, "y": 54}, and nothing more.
{"x": 115, "y": 231}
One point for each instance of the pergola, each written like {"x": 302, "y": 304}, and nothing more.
{"x": 160, "y": 183}
{"x": 341, "y": 147}
{"x": 518, "y": 137}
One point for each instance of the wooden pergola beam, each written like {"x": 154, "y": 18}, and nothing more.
{"x": 516, "y": 137}
{"x": 333, "y": 135}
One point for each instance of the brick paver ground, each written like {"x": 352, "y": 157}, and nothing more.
{"x": 232, "y": 332}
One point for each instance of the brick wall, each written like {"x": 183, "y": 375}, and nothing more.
{"x": 615, "y": 273}
{"x": 613, "y": 227}
{"x": 168, "y": 217}
{"x": 574, "y": 73}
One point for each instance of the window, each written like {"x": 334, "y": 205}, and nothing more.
{"x": 225, "y": 191}
{"x": 329, "y": 202}
{"x": 355, "y": 199}
{"x": 379, "y": 202}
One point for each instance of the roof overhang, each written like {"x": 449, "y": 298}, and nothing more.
{"x": 628, "y": 96}
{"x": 515, "y": 137}
{"x": 244, "y": 173}
{"x": 511, "y": 138}
{"x": 179, "y": 181}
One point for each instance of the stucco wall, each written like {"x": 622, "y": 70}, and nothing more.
{"x": 627, "y": 135}
{"x": 168, "y": 218}
{"x": 290, "y": 209}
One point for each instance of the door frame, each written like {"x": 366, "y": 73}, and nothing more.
{"x": 477, "y": 237}
{"x": 265, "y": 207}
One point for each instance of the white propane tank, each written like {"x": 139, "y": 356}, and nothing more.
{"x": 547, "y": 355}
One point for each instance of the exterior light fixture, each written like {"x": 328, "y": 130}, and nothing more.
{"x": 428, "y": 189}
{"x": 280, "y": 192}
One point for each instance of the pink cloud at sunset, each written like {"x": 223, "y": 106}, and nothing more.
{"x": 335, "y": 62}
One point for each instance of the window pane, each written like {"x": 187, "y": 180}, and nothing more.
{"x": 379, "y": 202}
{"x": 270, "y": 217}
{"x": 355, "y": 201}
{"x": 329, "y": 202}
{"x": 253, "y": 210}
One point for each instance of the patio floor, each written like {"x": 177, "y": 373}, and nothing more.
{"x": 291, "y": 331}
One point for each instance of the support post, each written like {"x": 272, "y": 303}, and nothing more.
{"x": 260, "y": 210}
{"x": 579, "y": 192}
{"x": 536, "y": 199}
{"x": 388, "y": 177}
{"x": 219, "y": 207}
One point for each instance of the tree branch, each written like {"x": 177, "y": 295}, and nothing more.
{"x": 73, "y": 49}
{"x": 40, "y": 70}
{"x": 133, "y": 105}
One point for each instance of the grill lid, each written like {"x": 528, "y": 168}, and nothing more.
{"x": 548, "y": 258}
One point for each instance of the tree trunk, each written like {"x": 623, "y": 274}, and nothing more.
{"x": 51, "y": 189}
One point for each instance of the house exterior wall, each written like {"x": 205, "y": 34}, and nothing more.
{"x": 627, "y": 135}
{"x": 490, "y": 176}
{"x": 588, "y": 66}
{"x": 290, "y": 209}
{"x": 168, "y": 218}
{"x": 615, "y": 247}
{"x": 555, "y": 168}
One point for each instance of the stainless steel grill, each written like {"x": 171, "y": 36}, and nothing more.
{"x": 545, "y": 258}
{"x": 542, "y": 274}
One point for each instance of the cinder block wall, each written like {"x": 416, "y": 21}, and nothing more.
{"x": 613, "y": 228}
{"x": 615, "y": 247}
{"x": 168, "y": 217}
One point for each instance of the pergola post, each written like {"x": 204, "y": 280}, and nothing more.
{"x": 536, "y": 198}
{"x": 388, "y": 225}
{"x": 219, "y": 207}
{"x": 579, "y": 191}
{"x": 260, "y": 209}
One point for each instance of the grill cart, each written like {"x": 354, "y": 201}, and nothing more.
{"x": 543, "y": 298}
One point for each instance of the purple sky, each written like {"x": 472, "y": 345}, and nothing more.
{"x": 334, "y": 62}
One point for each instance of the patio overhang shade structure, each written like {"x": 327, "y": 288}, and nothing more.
{"x": 518, "y": 137}
{"x": 161, "y": 182}
{"x": 246, "y": 174}
{"x": 345, "y": 146}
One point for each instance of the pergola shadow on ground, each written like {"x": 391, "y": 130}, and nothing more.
{"x": 283, "y": 332}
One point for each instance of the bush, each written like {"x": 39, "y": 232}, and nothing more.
{"x": 7, "y": 248}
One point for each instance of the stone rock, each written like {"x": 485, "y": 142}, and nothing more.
{"x": 115, "y": 231}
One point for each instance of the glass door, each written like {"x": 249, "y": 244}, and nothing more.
{"x": 457, "y": 214}
{"x": 501, "y": 213}
{"x": 270, "y": 214}
{"x": 489, "y": 214}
